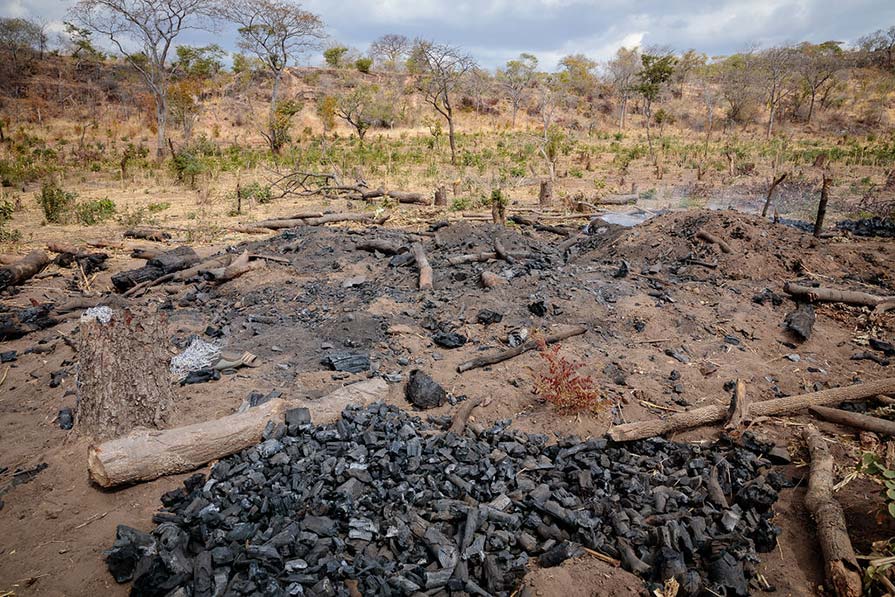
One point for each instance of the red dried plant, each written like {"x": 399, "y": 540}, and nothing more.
{"x": 562, "y": 385}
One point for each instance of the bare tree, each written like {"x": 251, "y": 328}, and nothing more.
{"x": 516, "y": 80}
{"x": 623, "y": 71}
{"x": 151, "y": 26}
{"x": 880, "y": 47}
{"x": 552, "y": 93}
{"x": 390, "y": 49}
{"x": 275, "y": 31}
{"x": 439, "y": 70}
{"x": 776, "y": 67}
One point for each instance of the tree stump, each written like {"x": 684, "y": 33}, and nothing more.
{"x": 545, "y": 195}
{"x": 441, "y": 196}
{"x": 123, "y": 378}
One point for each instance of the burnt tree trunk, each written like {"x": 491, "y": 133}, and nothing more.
{"x": 123, "y": 379}
{"x": 822, "y": 206}
{"x": 767, "y": 201}
{"x": 545, "y": 194}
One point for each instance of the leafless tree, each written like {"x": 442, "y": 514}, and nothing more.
{"x": 439, "y": 70}
{"x": 776, "y": 68}
{"x": 275, "y": 31}
{"x": 880, "y": 47}
{"x": 552, "y": 93}
{"x": 623, "y": 71}
{"x": 151, "y": 26}
{"x": 390, "y": 49}
{"x": 516, "y": 80}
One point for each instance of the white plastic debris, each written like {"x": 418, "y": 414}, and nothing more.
{"x": 198, "y": 355}
{"x": 101, "y": 314}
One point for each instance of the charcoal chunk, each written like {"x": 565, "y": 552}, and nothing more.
{"x": 350, "y": 362}
{"x": 424, "y": 392}
{"x": 130, "y": 547}
{"x": 487, "y": 317}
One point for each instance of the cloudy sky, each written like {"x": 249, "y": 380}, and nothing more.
{"x": 496, "y": 30}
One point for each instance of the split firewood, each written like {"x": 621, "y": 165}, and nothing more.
{"x": 713, "y": 240}
{"x": 738, "y": 411}
{"x": 143, "y": 455}
{"x": 777, "y": 406}
{"x": 492, "y": 280}
{"x": 422, "y": 264}
{"x": 499, "y": 357}
{"x": 22, "y": 269}
{"x": 840, "y": 563}
{"x": 147, "y": 234}
{"x": 501, "y": 251}
{"x": 856, "y": 420}
{"x": 829, "y": 295}
{"x": 458, "y": 423}
{"x": 381, "y": 246}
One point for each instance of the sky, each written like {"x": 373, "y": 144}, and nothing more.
{"x": 494, "y": 31}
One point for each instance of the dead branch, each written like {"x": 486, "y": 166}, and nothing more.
{"x": 492, "y": 280}
{"x": 843, "y": 572}
{"x": 501, "y": 251}
{"x": 767, "y": 202}
{"x": 382, "y": 246}
{"x": 20, "y": 271}
{"x": 147, "y": 234}
{"x": 778, "y": 406}
{"x": 458, "y": 423}
{"x": 829, "y": 295}
{"x": 522, "y": 221}
{"x": 713, "y": 240}
{"x": 499, "y": 357}
{"x": 856, "y": 420}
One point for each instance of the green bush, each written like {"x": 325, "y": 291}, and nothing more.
{"x": 461, "y": 203}
{"x": 55, "y": 202}
{"x": 7, "y": 234}
{"x": 256, "y": 191}
{"x": 363, "y": 64}
{"x": 155, "y": 208}
{"x": 93, "y": 212}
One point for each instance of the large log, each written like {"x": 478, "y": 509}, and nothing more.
{"x": 422, "y": 264}
{"x": 616, "y": 200}
{"x": 19, "y": 271}
{"x": 829, "y": 295}
{"x": 522, "y": 221}
{"x": 499, "y": 357}
{"x": 766, "y": 408}
{"x": 144, "y": 455}
{"x": 405, "y": 197}
{"x": 856, "y": 420}
{"x": 843, "y": 571}
{"x": 163, "y": 264}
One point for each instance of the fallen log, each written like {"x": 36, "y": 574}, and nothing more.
{"x": 350, "y": 217}
{"x": 144, "y": 455}
{"x": 65, "y": 248}
{"x": 146, "y": 253}
{"x": 521, "y": 221}
{"x": 300, "y": 216}
{"x": 485, "y": 256}
{"x": 492, "y": 280}
{"x": 236, "y": 268}
{"x": 713, "y": 240}
{"x": 166, "y": 263}
{"x": 422, "y": 264}
{"x": 21, "y": 270}
{"x": 616, "y": 200}
{"x": 505, "y": 355}
{"x": 830, "y": 295}
{"x": 405, "y": 197}
{"x": 842, "y": 569}
{"x": 249, "y": 230}
{"x": 147, "y": 234}
{"x": 382, "y": 246}
{"x": 856, "y": 420}
{"x": 211, "y": 263}
{"x": 765, "y": 408}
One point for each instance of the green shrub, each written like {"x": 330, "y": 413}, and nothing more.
{"x": 93, "y": 212}
{"x": 7, "y": 234}
{"x": 461, "y": 203}
{"x": 55, "y": 202}
{"x": 257, "y": 191}
{"x": 155, "y": 208}
{"x": 363, "y": 64}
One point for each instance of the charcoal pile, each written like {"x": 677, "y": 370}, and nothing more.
{"x": 382, "y": 503}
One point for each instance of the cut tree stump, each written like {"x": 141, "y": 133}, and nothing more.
{"x": 545, "y": 193}
{"x": 441, "y": 196}
{"x": 21, "y": 270}
{"x": 856, "y": 420}
{"x": 843, "y": 571}
{"x": 123, "y": 378}
{"x": 778, "y": 406}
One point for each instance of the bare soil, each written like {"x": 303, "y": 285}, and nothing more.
{"x": 55, "y": 527}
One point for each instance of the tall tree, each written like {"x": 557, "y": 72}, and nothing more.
{"x": 776, "y": 70}
{"x": 151, "y": 26}
{"x": 439, "y": 69}
{"x": 817, "y": 65}
{"x": 880, "y": 47}
{"x": 687, "y": 64}
{"x": 357, "y": 108}
{"x": 577, "y": 72}
{"x": 390, "y": 50}
{"x": 623, "y": 71}
{"x": 275, "y": 31}
{"x": 516, "y": 79}
{"x": 736, "y": 81}
{"x": 655, "y": 74}
{"x": 20, "y": 40}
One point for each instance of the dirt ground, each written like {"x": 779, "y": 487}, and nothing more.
{"x": 330, "y": 296}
